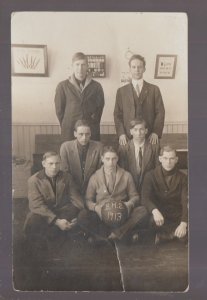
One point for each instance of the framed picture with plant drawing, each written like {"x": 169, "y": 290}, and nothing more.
{"x": 29, "y": 60}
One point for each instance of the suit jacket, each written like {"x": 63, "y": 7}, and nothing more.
{"x": 171, "y": 201}
{"x": 124, "y": 189}
{"x": 44, "y": 202}
{"x": 72, "y": 104}
{"x": 127, "y": 160}
{"x": 151, "y": 109}
{"x": 70, "y": 162}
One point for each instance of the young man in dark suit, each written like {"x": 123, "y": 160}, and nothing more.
{"x": 138, "y": 156}
{"x": 82, "y": 156}
{"x": 165, "y": 194}
{"x": 139, "y": 99}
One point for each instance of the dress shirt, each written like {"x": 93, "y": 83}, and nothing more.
{"x": 139, "y": 82}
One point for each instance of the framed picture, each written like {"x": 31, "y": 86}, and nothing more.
{"x": 96, "y": 65}
{"x": 165, "y": 66}
{"x": 29, "y": 60}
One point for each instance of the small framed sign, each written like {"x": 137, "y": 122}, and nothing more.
{"x": 29, "y": 60}
{"x": 165, "y": 66}
{"x": 96, "y": 65}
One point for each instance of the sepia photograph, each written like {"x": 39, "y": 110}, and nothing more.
{"x": 100, "y": 151}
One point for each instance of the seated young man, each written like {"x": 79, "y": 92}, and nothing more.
{"x": 111, "y": 183}
{"x": 165, "y": 193}
{"x": 139, "y": 155}
{"x": 81, "y": 157}
{"x": 54, "y": 202}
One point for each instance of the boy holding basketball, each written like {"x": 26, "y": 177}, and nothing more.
{"x": 107, "y": 187}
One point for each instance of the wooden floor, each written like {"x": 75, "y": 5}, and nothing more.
{"x": 74, "y": 265}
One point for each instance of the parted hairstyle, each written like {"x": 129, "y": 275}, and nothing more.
{"x": 109, "y": 149}
{"x": 49, "y": 154}
{"x": 137, "y": 121}
{"x": 137, "y": 56}
{"x": 80, "y": 123}
{"x": 167, "y": 148}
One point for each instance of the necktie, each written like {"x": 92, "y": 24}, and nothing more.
{"x": 139, "y": 161}
{"x": 137, "y": 90}
{"x": 140, "y": 158}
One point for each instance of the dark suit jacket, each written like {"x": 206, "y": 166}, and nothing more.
{"x": 127, "y": 160}
{"x": 71, "y": 105}
{"x": 70, "y": 162}
{"x": 124, "y": 188}
{"x": 171, "y": 201}
{"x": 44, "y": 202}
{"x": 152, "y": 109}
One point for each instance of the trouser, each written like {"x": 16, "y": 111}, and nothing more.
{"x": 38, "y": 232}
{"x": 90, "y": 222}
{"x": 167, "y": 230}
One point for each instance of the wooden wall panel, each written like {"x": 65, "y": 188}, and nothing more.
{"x": 23, "y": 135}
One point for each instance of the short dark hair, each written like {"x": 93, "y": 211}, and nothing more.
{"x": 137, "y": 56}
{"x": 49, "y": 154}
{"x": 80, "y": 123}
{"x": 78, "y": 56}
{"x": 137, "y": 121}
{"x": 167, "y": 148}
{"x": 109, "y": 149}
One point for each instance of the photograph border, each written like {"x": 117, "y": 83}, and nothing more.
{"x": 196, "y": 12}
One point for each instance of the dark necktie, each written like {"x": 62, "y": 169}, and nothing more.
{"x": 140, "y": 158}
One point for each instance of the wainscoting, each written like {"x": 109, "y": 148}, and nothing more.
{"x": 23, "y": 135}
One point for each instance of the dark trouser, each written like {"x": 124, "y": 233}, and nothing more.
{"x": 91, "y": 223}
{"x": 167, "y": 230}
{"x": 36, "y": 225}
{"x": 38, "y": 232}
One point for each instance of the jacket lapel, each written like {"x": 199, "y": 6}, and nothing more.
{"x": 132, "y": 159}
{"x": 144, "y": 92}
{"x": 129, "y": 95}
{"x": 76, "y": 161}
{"x": 89, "y": 158}
{"x": 160, "y": 179}
{"x": 119, "y": 173}
{"x": 60, "y": 186}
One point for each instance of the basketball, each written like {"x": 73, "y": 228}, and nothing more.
{"x": 114, "y": 213}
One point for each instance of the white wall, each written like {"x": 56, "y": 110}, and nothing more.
{"x": 111, "y": 34}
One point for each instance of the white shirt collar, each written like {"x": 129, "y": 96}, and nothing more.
{"x": 137, "y": 146}
{"x": 139, "y": 82}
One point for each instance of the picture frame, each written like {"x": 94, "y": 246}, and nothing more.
{"x": 97, "y": 65}
{"x": 29, "y": 60}
{"x": 165, "y": 66}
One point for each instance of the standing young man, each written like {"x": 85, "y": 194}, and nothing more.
{"x": 139, "y": 99}
{"x": 79, "y": 97}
